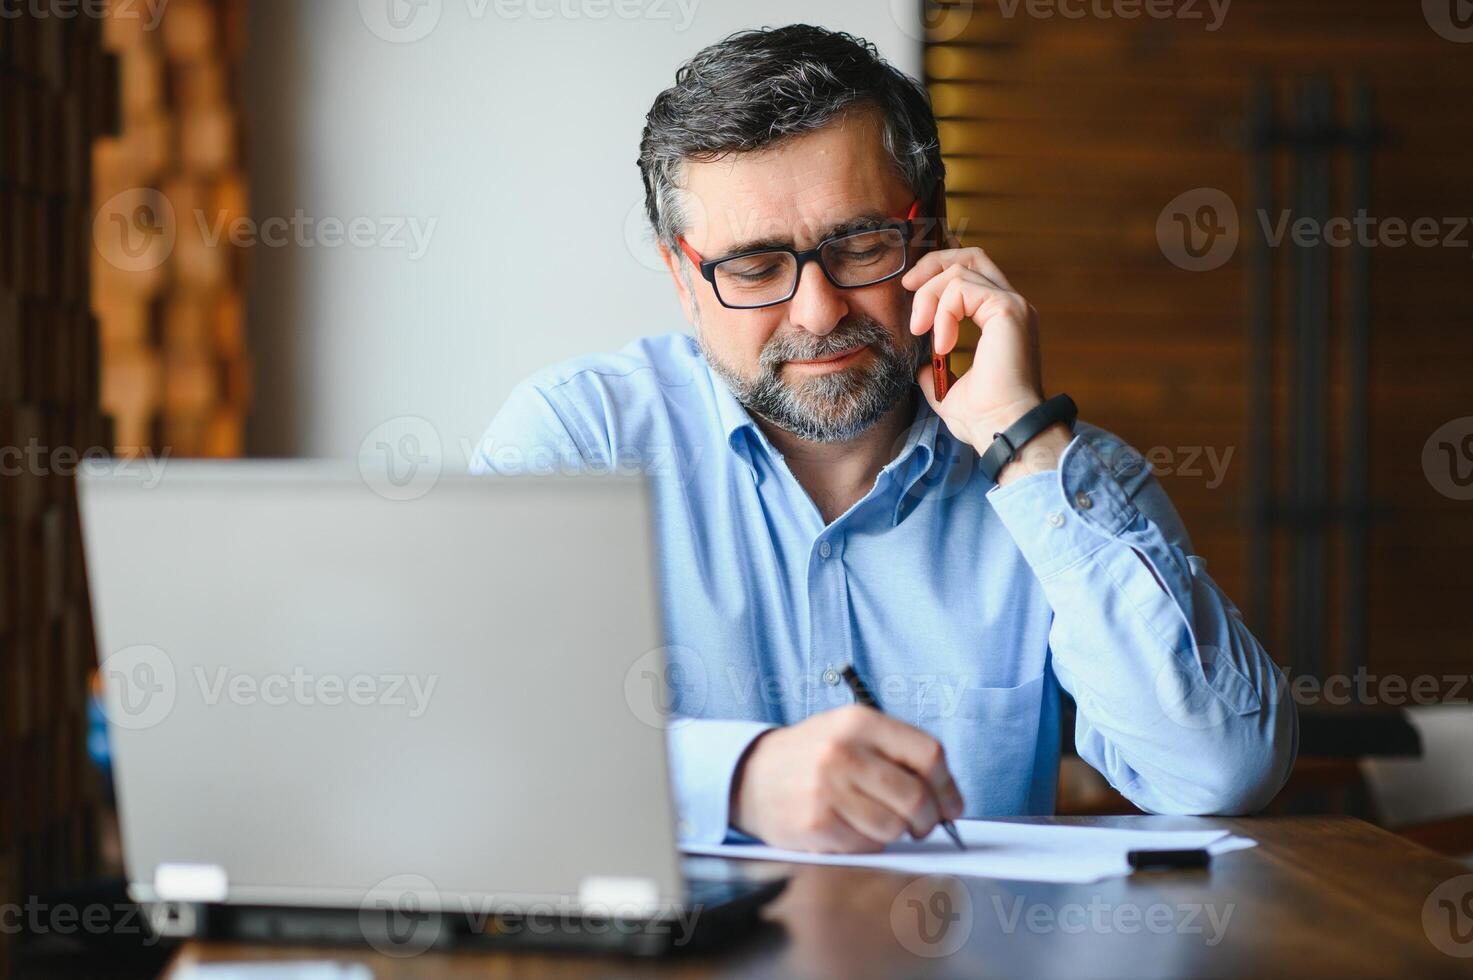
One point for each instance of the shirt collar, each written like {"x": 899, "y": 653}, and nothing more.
{"x": 737, "y": 425}
{"x": 915, "y": 459}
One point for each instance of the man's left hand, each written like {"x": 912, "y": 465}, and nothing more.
{"x": 1006, "y": 377}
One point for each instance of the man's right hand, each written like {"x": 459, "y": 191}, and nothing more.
{"x": 850, "y": 779}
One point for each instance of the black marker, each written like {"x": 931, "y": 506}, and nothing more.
{"x": 1196, "y": 857}
{"x": 864, "y": 697}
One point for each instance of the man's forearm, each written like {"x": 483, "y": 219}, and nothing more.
{"x": 1179, "y": 704}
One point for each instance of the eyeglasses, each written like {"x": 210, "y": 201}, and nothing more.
{"x": 769, "y": 276}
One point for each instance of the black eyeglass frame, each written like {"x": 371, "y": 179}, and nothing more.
{"x": 905, "y": 226}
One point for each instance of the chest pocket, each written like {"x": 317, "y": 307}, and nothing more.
{"x": 991, "y": 737}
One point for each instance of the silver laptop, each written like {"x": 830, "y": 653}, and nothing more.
{"x": 339, "y": 714}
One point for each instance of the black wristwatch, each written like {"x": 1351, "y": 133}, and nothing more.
{"x": 1005, "y": 445}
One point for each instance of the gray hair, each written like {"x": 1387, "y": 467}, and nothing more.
{"x": 756, "y": 88}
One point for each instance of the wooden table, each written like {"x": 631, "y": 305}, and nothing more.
{"x": 1317, "y": 897}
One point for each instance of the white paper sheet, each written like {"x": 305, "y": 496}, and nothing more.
{"x": 277, "y": 970}
{"x": 1016, "y": 851}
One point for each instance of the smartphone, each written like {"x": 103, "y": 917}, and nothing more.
{"x": 941, "y": 373}
{"x": 941, "y": 376}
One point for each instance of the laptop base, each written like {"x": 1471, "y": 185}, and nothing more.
{"x": 724, "y": 912}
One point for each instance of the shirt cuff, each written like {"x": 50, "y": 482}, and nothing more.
{"x": 704, "y": 754}
{"x": 1062, "y": 516}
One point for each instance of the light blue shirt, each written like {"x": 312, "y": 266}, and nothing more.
{"x": 965, "y": 606}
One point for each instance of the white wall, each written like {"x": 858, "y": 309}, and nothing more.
{"x": 513, "y": 126}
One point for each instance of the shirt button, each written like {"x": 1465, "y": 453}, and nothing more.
{"x": 1084, "y": 500}
{"x": 831, "y": 677}
{"x": 825, "y": 549}
{"x": 1056, "y": 519}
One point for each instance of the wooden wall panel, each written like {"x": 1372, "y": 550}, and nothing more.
{"x": 1064, "y": 140}
{"x": 56, "y": 89}
{"x": 175, "y": 375}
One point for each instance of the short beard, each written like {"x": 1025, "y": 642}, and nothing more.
{"x": 836, "y": 406}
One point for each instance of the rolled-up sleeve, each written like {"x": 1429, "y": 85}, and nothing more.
{"x": 1179, "y": 706}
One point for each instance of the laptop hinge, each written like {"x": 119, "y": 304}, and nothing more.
{"x": 619, "y": 897}
{"x": 189, "y": 883}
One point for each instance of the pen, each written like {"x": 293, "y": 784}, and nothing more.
{"x": 864, "y": 697}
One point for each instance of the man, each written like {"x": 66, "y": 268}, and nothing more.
{"x": 817, "y": 506}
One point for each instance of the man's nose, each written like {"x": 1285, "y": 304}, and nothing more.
{"x": 818, "y": 305}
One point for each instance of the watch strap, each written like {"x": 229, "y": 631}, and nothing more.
{"x": 1005, "y": 444}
